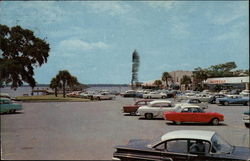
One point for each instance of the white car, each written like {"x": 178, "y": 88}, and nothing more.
{"x": 155, "y": 109}
{"x": 155, "y": 95}
{"x": 103, "y": 96}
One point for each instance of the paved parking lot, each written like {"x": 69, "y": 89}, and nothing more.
{"x": 90, "y": 130}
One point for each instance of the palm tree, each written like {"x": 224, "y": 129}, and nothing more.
{"x": 73, "y": 82}
{"x": 158, "y": 83}
{"x": 165, "y": 76}
{"x": 65, "y": 78}
{"x": 55, "y": 84}
{"x": 186, "y": 80}
{"x": 199, "y": 75}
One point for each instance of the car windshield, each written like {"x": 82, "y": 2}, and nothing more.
{"x": 220, "y": 146}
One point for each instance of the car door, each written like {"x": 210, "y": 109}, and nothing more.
{"x": 185, "y": 115}
{"x": 176, "y": 150}
{"x": 198, "y": 115}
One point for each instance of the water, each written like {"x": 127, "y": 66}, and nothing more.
{"x": 26, "y": 90}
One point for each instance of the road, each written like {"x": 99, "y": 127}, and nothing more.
{"x": 90, "y": 130}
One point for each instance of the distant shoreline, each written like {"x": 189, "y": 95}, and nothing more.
{"x": 90, "y": 85}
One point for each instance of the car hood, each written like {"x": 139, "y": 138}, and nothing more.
{"x": 136, "y": 144}
{"x": 241, "y": 153}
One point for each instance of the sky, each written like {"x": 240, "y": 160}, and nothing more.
{"x": 95, "y": 40}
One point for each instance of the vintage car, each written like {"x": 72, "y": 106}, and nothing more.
{"x": 5, "y": 95}
{"x": 155, "y": 109}
{"x": 246, "y": 118}
{"x": 155, "y": 95}
{"x": 103, "y": 96}
{"x": 88, "y": 95}
{"x": 197, "y": 102}
{"x": 203, "y": 97}
{"x": 193, "y": 114}
{"x": 130, "y": 93}
{"x": 182, "y": 145}
{"x": 233, "y": 99}
{"x": 7, "y": 106}
{"x": 212, "y": 99}
{"x": 133, "y": 108}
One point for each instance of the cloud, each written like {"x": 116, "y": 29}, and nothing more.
{"x": 31, "y": 12}
{"x": 161, "y": 4}
{"x": 77, "y": 46}
{"x": 234, "y": 12}
{"x": 111, "y": 8}
{"x": 179, "y": 27}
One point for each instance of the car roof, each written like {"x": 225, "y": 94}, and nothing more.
{"x": 188, "y": 134}
{"x": 3, "y": 98}
{"x": 183, "y": 105}
{"x": 160, "y": 101}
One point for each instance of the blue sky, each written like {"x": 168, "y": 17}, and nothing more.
{"x": 95, "y": 40}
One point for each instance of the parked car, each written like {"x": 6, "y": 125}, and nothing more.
{"x": 88, "y": 95}
{"x": 246, "y": 118}
{"x": 202, "y": 97}
{"x": 132, "y": 109}
{"x": 197, "y": 102}
{"x": 193, "y": 114}
{"x": 155, "y": 109}
{"x": 130, "y": 93}
{"x": 7, "y": 106}
{"x": 103, "y": 96}
{"x": 182, "y": 145}
{"x": 5, "y": 95}
{"x": 212, "y": 99}
{"x": 74, "y": 94}
{"x": 233, "y": 99}
{"x": 155, "y": 95}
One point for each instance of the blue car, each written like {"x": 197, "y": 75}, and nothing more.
{"x": 233, "y": 99}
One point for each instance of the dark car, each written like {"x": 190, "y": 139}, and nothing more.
{"x": 182, "y": 145}
{"x": 212, "y": 99}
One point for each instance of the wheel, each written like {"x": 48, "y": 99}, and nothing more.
{"x": 13, "y": 111}
{"x": 163, "y": 97}
{"x": 226, "y": 103}
{"x": 98, "y": 98}
{"x": 177, "y": 122}
{"x": 247, "y": 103}
{"x": 148, "y": 97}
{"x": 132, "y": 113}
{"x": 149, "y": 116}
{"x": 213, "y": 102}
{"x": 215, "y": 121}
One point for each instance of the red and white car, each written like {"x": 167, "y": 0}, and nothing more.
{"x": 192, "y": 113}
{"x": 132, "y": 109}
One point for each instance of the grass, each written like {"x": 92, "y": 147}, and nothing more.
{"x": 50, "y": 98}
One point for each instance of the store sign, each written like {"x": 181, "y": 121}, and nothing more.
{"x": 217, "y": 81}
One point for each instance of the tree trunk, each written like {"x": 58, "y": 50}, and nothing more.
{"x": 64, "y": 90}
{"x": 56, "y": 91}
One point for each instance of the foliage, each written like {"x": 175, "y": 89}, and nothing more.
{"x": 55, "y": 84}
{"x": 165, "y": 76}
{"x": 21, "y": 51}
{"x": 158, "y": 83}
{"x": 186, "y": 80}
{"x": 66, "y": 79}
{"x": 135, "y": 68}
{"x": 221, "y": 70}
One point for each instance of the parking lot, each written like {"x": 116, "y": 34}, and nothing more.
{"x": 90, "y": 130}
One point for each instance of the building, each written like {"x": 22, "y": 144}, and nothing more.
{"x": 178, "y": 74}
{"x": 229, "y": 82}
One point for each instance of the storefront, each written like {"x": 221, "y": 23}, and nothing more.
{"x": 228, "y": 83}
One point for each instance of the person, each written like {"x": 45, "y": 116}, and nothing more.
{"x": 198, "y": 147}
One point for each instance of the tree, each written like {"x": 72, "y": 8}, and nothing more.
{"x": 186, "y": 80}
{"x": 222, "y": 70}
{"x": 66, "y": 79}
{"x": 55, "y": 84}
{"x": 165, "y": 76}
{"x": 21, "y": 51}
{"x": 135, "y": 68}
{"x": 158, "y": 83}
{"x": 199, "y": 75}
